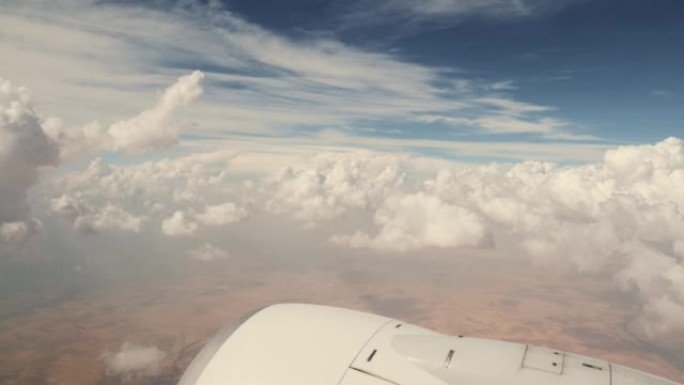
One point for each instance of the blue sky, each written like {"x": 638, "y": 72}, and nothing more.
{"x": 537, "y": 79}
{"x": 614, "y": 68}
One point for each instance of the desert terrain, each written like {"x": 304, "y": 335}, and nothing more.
{"x": 62, "y": 331}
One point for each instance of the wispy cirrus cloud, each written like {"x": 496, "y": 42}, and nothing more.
{"x": 663, "y": 93}
{"x": 432, "y": 14}
{"x": 260, "y": 82}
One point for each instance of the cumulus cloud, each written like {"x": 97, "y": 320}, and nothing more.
{"x": 622, "y": 217}
{"x": 14, "y": 232}
{"x": 29, "y": 143}
{"x": 151, "y": 129}
{"x": 222, "y": 214}
{"x": 178, "y": 225}
{"x": 414, "y": 221}
{"x": 178, "y": 195}
{"x": 24, "y": 150}
{"x": 208, "y": 252}
{"x": 331, "y": 186}
{"x": 88, "y": 219}
{"x": 134, "y": 360}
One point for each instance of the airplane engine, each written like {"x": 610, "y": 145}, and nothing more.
{"x": 297, "y": 344}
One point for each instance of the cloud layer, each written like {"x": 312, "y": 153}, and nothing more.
{"x": 622, "y": 218}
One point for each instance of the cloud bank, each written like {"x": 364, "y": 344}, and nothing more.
{"x": 622, "y": 217}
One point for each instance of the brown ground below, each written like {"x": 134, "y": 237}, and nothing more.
{"x": 64, "y": 343}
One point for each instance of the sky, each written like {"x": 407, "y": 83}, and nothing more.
{"x": 546, "y": 131}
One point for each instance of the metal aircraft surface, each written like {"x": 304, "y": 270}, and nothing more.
{"x": 297, "y": 344}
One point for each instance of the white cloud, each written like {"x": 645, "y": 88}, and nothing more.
{"x": 507, "y": 116}
{"x": 178, "y": 225}
{"x": 29, "y": 144}
{"x": 14, "y": 232}
{"x": 506, "y": 85}
{"x": 222, "y": 214}
{"x": 621, "y": 217}
{"x": 328, "y": 83}
{"x": 87, "y": 219}
{"x": 24, "y": 151}
{"x": 511, "y": 107}
{"x": 331, "y": 186}
{"x": 414, "y": 221}
{"x": 208, "y": 252}
{"x": 134, "y": 360}
{"x": 417, "y": 10}
{"x": 406, "y": 17}
{"x": 153, "y": 128}
{"x": 509, "y": 125}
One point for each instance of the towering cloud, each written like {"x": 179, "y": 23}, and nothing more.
{"x": 151, "y": 129}
{"x": 24, "y": 150}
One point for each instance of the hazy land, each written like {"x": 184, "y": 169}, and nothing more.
{"x": 61, "y": 330}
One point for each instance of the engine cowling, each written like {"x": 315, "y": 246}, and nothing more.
{"x": 298, "y": 344}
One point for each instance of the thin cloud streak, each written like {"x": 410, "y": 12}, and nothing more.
{"x": 260, "y": 82}
{"x": 410, "y": 16}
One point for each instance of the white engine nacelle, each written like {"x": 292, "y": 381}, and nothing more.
{"x": 296, "y": 344}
